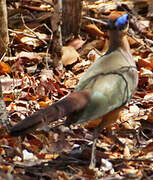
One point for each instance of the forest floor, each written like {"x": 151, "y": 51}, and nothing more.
{"x": 30, "y": 82}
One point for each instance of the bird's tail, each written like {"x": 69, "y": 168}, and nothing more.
{"x": 74, "y": 102}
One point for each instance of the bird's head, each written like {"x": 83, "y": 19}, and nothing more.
{"x": 118, "y": 21}
{"x": 117, "y": 25}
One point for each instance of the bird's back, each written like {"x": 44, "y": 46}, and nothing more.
{"x": 111, "y": 82}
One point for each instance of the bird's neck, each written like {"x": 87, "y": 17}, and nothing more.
{"x": 118, "y": 40}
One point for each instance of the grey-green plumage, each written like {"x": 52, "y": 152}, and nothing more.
{"x": 111, "y": 81}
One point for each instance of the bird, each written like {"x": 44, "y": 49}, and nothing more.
{"x": 103, "y": 90}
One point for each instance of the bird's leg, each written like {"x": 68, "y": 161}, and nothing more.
{"x": 95, "y": 138}
{"x": 93, "y": 152}
{"x": 103, "y": 123}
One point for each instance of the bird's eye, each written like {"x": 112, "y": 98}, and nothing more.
{"x": 122, "y": 21}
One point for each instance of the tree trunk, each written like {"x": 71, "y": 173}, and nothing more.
{"x": 71, "y": 17}
{"x": 4, "y": 39}
{"x": 67, "y": 13}
{"x": 56, "y": 19}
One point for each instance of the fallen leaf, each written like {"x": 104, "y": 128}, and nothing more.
{"x": 148, "y": 148}
{"x": 69, "y": 56}
{"x": 145, "y": 64}
{"x": 93, "y": 30}
{"x": 5, "y": 68}
{"x": 77, "y": 43}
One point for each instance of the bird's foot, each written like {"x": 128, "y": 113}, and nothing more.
{"x": 92, "y": 164}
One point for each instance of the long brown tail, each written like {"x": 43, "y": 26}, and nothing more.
{"x": 74, "y": 102}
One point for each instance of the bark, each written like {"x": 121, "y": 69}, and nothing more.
{"x": 4, "y": 28}
{"x": 71, "y": 17}
{"x": 56, "y": 47}
{"x": 68, "y": 14}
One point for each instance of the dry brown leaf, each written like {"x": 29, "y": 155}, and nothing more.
{"x": 133, "y": 42}
{"x": 77, "y": 43}
{"x": 148, "y": 148}
{"x": 98, "y": 44}
{"x": 29, "y": 56}
{"x": 41, "y": 91}
{"x": 80, "y": 67}
{"x": 93, "y": 30}
{"x": 18, "y": 66}
{"x": 34, "y": 41}
{"x": 70, "y": 55}
{"x": 10, "y": 84}
{"x": 4, "y": 68}
{"x": 145, "y": 64}
{"x": 43, "y": 104}
{"x": 93, "y": 55}
{"x": 63, "y": 175}
{"x": 47, "y": 74}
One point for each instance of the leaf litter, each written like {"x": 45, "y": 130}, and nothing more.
{"x": 30, "y": 82}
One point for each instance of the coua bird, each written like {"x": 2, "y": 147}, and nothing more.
{"x": 103, "y": 90}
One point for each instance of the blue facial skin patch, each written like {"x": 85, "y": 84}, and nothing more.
{"x": 122, "y": 21}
